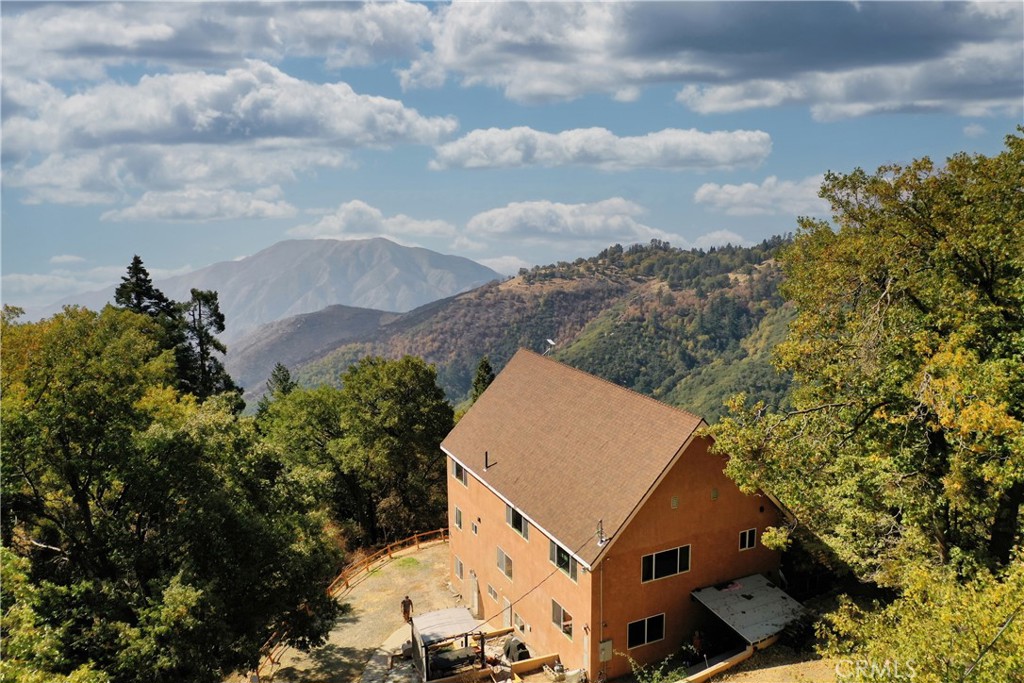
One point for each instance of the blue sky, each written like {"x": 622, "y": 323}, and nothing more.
{"x": 509, "y": 133}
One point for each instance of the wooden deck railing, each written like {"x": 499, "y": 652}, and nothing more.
{"x": 275, "y": 647}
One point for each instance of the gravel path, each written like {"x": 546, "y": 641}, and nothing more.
{"x": 376, "y": 612}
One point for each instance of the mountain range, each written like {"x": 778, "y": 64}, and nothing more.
{"x": 302, "y": 276}
{"x": 686, "y": 326}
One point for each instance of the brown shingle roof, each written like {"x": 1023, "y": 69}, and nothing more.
{"x": 568, "y": 449}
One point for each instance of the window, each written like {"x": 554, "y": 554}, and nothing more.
{"x": 505, "y": 563}
{"x": 561, "y": 619}
{"x": 459, "y": 472}
{"x": 475, "y": 529}
{"x": 664, "y": 564}
{"x": 458, "y": 567}
{"x": 458, "y": 518}
{"x": 491, "y": 592}
{"x": 516, "y": 520}
{"x": 518, "y": 622}
{"x": 748, "y": 539}
{"x": 649, "y": 630}
{"x": 561, "y": 558}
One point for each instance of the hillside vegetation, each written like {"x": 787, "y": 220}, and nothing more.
{"x": 686, "y": 326}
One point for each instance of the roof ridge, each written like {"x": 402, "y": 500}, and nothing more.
{"x": 617, "y": 386}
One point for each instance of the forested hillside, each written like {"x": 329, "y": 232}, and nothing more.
{"x": 687, "y": 326}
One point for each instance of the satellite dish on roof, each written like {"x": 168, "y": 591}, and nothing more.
{"x": 551, "y": 345}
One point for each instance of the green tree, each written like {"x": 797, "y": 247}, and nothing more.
{"x": 394, "y": 417}
{"x": 906, "y": 441}
{"x": 137, "y": 293}
{"x": 279, "y": 385}
{"x": 945, "y": 628}
{"x": 483, "y": 378}
{"x": 203, "y": 373}
{"x": 164, "y": 542}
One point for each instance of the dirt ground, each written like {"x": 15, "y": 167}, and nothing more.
{"x": 780, "y": 664}
{"x": 376, "y": 612}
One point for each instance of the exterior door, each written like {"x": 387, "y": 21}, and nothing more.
{"x": 506, "y": 614}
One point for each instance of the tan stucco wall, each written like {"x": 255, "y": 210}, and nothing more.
{"x": 533, "y": 574}
{"x": 710, "y": 527}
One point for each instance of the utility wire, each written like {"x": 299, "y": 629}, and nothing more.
{"x": 535, "y": 587}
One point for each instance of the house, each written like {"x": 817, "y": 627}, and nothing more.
{"x": 586, "y": 516}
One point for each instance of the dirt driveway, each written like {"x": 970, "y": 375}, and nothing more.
{"x": 376, "y": 612}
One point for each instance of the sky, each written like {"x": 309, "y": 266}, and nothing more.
{"x": 513, "y": 134}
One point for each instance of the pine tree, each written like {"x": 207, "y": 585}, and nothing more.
{"x": 484, "y": 377}
{"x": 137, "y": 293}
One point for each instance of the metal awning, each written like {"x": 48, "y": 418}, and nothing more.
{"x": 433, "y": 627}
{"x": 752, "y": 606}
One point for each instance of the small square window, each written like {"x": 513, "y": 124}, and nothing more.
{"x": 459, "y": 472}
{"x": 748, "y": 539}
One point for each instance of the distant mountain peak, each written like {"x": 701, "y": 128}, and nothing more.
{"x": 298, "y": 276}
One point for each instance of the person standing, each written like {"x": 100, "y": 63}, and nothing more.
{"x": 407, "y": 609}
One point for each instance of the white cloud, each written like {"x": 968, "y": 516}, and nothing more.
{"x": 671, "y": 148}
{"x": 246, "y": 104}
{"x": 720, "y": 238}
{"x": 357, "y": 219}
{"x": 539, "y": 222}
{"x": 250, "y": 126}
{"x": 87, "y": 40}
{"x": 728, "y": 57}
{"x": 66, "y": 258}
{"x": 42, "y": 289}
{"x": 937, "y": 84}
{"x": 198, "y": 204}
{"x": 506, "y": 265}
{"x": 771, "y": 197}
{"x": 974, "y": 130}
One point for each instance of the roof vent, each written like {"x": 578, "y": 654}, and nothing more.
{"x": 601, "y": 540}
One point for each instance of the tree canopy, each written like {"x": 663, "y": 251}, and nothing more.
{"x": 373, "y": 446}
{"x": 904, "y": 450}
{"x": 162, "y": 541}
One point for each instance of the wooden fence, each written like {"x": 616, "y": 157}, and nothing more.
{"x": 275, "y": 647}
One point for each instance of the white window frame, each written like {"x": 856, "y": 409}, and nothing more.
{"x": 653, "y": 556}
{"x": 476, "y": 530}
{"x": 460, "y": 569}
{"x": 493, "y": 594}
{"x": 558, "y": 618}
{"x": 510, "y": 514}
{"x": 571, "y": 567}
{"x": 518, "y": 623}
{"x": 748, "y": 539}
{"x": 459, "y": 473}
{"x": 505, "y": 563}
{"x": 646, "y": 626}
{"x": 458, "y": 518}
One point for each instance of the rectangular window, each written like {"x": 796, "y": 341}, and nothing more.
{"x": 475, "y": 530}
{"x": 459, "y": 472}
{"x": 505, "y": 563}
{"x": 664, "y": 564}
{"x": 561, "y": 619}
{"x": 644, "y": 631}
{"x": 491, "y": 592}
{"x": 458, "y": 518}
{"x": 748, "y": 539}
{"x": 516, "y": 520}
{"x": 561, "y": 558}
{"x": 458, "y": 567}
{"x": 518, "y": 622}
